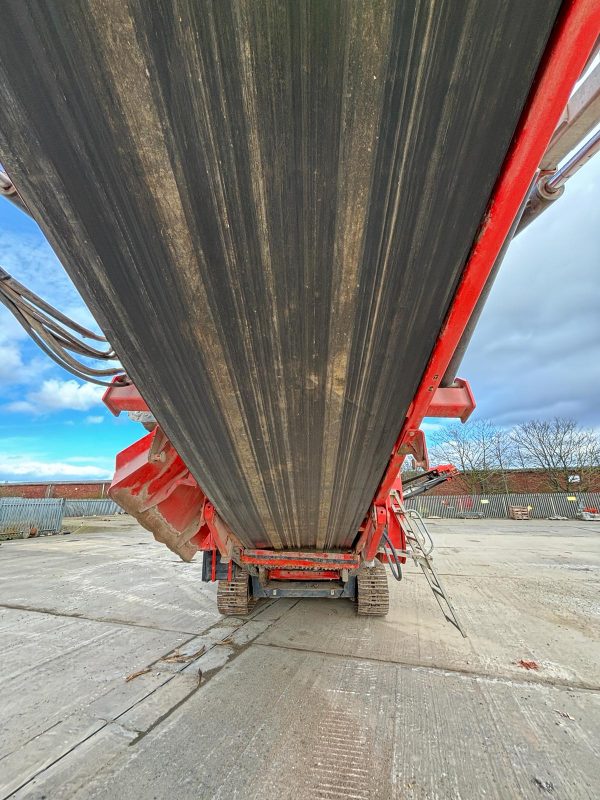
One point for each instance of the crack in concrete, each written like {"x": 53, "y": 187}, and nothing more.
{"x": 56, "y": 760}
{"x": 203, "y": 680}
{"x": 205, "y": 677}
{"x": 104, "y": 620}
{"x": 557, "y": 683}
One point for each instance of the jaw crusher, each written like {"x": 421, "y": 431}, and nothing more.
{"x": 285, "y": 217}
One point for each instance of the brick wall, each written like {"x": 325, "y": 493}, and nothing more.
{"x": 68, "y": 489}
{"x": 518, "y": 481}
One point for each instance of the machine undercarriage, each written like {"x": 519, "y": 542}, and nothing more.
{"x": 153, "y": 484}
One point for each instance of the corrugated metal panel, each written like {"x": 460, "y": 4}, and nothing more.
{"x": 495, "y": 506}
{"x": 20, "y": 516}
{"x": 91, "y": 508}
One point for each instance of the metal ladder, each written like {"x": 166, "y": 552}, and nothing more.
{"x": 420, "y": 547}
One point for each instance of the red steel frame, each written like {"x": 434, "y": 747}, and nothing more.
{"x": 574, "y": 35}
{"x": 153, "y": 483}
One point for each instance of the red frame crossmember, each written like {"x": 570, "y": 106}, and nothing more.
{"x": 304, "y": 575}
{"x": 455, "y": 402}
{"x": 122, "y": 396}
{"x": 300, "y": 560}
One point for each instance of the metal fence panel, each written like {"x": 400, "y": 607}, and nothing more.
{"x": 91, "y": 508}
{"x": 20, "y": 516}
{"x": 495, "y": 506}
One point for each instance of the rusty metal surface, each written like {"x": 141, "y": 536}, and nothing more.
{"x": 268, "y": 207}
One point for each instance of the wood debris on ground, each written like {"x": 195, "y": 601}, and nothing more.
{"x": 137, "y": 674}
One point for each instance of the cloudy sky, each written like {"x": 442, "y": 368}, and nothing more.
{"x": 51, "y": 425}
{"x": 535, "y": 352}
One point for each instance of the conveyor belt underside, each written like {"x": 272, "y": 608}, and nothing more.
{"x": 268, "y": 206}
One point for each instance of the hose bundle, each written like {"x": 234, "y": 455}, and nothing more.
{"x": 56, "y": 334}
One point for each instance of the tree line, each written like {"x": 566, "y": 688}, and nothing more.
{"x": 484, "y": 452}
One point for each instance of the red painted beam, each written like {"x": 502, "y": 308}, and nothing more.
{"x": 574, "y": 36}
{"x": 456, "y": 402}
{"x": 304, "y": 575}
{"x": 300, "y": 560}
{"x": 123, "y": 397}
{"x": 221, "y": 533}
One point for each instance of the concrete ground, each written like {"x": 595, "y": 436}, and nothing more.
{"x": 303, "y": 699}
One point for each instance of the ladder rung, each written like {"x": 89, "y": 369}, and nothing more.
{"x": 417, "y": 541}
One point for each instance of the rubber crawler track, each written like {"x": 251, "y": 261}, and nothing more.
{"x": 373, "y": 593}
{"x": 233, "y": 597}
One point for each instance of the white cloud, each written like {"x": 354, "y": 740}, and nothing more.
{"x": 58, "y": 395}
{"x": 30, "y": 259}
{"x": 431, "y": 427}
{"x": 94, "y": 420}
{"x": 21, "y": 407}
{"x": 16, "y": 466}
{"x": 10, "y": 330}
{"x": 100, "y": 461}
{"x": 534, "y": 353}
{"x": 14, "y": 368}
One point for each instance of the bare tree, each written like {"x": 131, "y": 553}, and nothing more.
{"x": 480, "y": 450}
{"x": 410, "y": 469}
{"x": 504, "y": 454}
{"x": 559, "y": 447}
